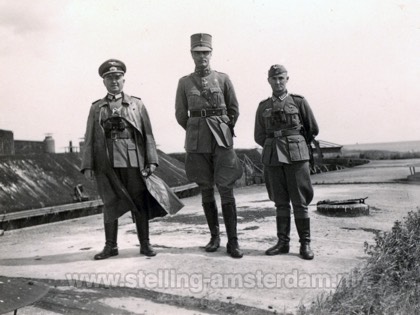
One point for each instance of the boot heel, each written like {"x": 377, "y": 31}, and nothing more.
{"x": 233, "y": 250}
{"x": 304, "y": 230}
{"x": 106, "y": 253}
{"x": 279, "y": 248}
{"x": 147, "y": 249}
{"x": 213, "y": 245}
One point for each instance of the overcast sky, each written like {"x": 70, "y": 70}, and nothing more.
{"x": 356, "y": 62}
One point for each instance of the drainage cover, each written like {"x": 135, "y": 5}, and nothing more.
{"x": 343, "y": 208}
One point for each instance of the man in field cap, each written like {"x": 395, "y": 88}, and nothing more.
{"x": 120, "y": 153}
{"x": 207, "y": 108}
{"x": 285, "y": 126}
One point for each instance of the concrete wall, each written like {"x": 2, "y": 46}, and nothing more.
{"x": 28, "y": 147}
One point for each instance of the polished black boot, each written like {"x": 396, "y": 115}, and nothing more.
{"x": 110, "y": 249}
{"x": 283, "y": 233}
{"x": 210, "y": 210}
{"x": 304, "y": 230}
{"x": 142, "y": 226}
{"x": 229, "y": 216}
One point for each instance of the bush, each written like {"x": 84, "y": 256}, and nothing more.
{"x": 389, "y": 283}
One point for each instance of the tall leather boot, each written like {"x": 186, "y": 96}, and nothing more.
{"x": 210, "y": 210}
{"x": 283, "y": 233}
{"x": 229, "y": 216}
{"x": 110, "y": 249}
{"x": 304, "y": 230}
{"x": 142, "y": 226}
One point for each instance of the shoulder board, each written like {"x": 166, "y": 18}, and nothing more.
{"x": 136, "y": 97}
{"x": 185, "y": 77}
{"x": 220, "y": 72}
{"x": 267, "y": 99}
{"x": 97, "y": 101}
{"x": 296, "y": 95}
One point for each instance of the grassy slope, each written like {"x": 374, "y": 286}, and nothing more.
{"x": 389, "y": 283}
{"x": 42, "y": 180}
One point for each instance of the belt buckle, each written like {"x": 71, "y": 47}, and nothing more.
{"x": 114, "y": 135}
{"x": 203, "y": 113}
{"x": 278, "y": 133}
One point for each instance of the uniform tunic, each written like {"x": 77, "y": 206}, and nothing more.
{"x": 118, "y": 153}
{"x": 209, "y": 141}
{"x": 281, "y": 125}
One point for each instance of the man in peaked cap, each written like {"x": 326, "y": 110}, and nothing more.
{"x": 112, "y": 66}
{"x": 207, "y": 108}
{"x": 120, "y": 153}
{"x": 285, "y": 127}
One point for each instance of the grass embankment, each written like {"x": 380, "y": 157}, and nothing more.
{"x": 380, "y": 154}
{"x": 389, "y": 283}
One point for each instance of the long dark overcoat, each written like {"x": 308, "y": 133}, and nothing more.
{"x": 161, "y": 199}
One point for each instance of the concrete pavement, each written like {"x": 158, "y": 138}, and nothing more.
{"x": 183, "y": 278}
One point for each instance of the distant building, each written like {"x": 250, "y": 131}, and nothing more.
{"x": 9, "y": 146}
{"x": 328, "y": 149}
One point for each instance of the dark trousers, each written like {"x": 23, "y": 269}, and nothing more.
{"x": 133, "y": 182}
{"x": 290, "y": 183}
{"x": 221, "y": 168}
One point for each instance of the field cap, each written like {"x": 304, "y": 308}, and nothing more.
{"x": 276, "y": 70}
{"x": 112, "y": 66}
{"x": 201, "y": 42}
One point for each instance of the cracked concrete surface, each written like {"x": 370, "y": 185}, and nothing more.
{"x": 183, "y": 278}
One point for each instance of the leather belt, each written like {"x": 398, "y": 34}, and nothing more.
{"x": 116, "y": 134}
{"x": 283, "y": 133}
{"x": 208, "y": 112}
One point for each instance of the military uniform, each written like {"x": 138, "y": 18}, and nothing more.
{"x": 119, "y": 146}
{"x": 207, "y": 108}
{"x": 284, "y": 126}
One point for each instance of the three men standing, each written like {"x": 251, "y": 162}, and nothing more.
{"x": 284, "y": 127}
{"x": 207, "y": 108}
{"x": 120, "y": 152}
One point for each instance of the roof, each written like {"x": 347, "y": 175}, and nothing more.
{"x": 327, "y": 145}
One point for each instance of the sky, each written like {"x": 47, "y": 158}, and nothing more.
{"x": 356, "y": 62}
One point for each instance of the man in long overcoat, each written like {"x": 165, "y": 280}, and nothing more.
{"x": 120, "y": 153}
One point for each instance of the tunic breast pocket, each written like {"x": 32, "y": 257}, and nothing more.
{"x": 292, "y": 115}
{"x": 298, "y": 150}
{"x": 217, "y": 97}
{"x": 194, "y": 97}
{"x": 267, "y": 116}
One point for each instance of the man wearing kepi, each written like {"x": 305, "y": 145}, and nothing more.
{"x": 120, "y": 153}
{"x": 284, "y": 127}
{"x": 207, "y": 108}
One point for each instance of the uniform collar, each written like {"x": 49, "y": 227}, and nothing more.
{"x": 202, "y": 72}
{"x": 126, "y": 99}
{"x": 281, "y": 97}
{"x": 114, "y": 97}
